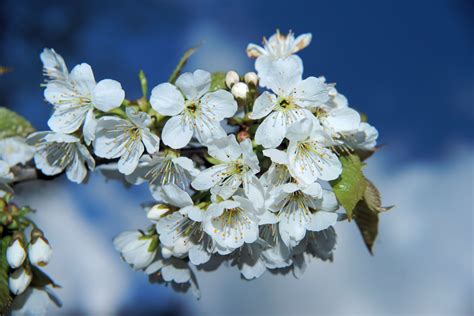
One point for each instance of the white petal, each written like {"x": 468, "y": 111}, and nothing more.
{"x": 263, "y": 105}
{"x": 311, "y": 92}
{"x": 178, "y": 274}
{"x": 208, "y": 178}
{"x": 284, "y": 75}
{"x": 90, "y": 124}
{"x": 292, "y": 230}
{"x": 254, "y": 50}
{"x": 301, "y": 42}
{"x": 343, "y": 119}
{"x": 330, "y": 167}
{"x": 76, "y": 171}
{"x": 193, "y": 212}
{"x": 107, "y": 95}
{"x": 277, "y": 156}
{"x": 150, "y": 140}
{"x": 225, "y": 149}
{"x": 219, "y": 104}
{"x": 128, "y": 162}
{"x": 206, "y": 130}
{"x": 67, "y": 119}
{"x": 271, "y": 131}
{"x": 110, "y": 140}
{"x": 300, "y": 130}
{"x": 139, "y": 118}
{"x": 166, "y": 99}
{"x": 198, "y": 255}
{"x": 175, "y": 196}
{"x": 83, "y": 78}
{"x": 321, "y": 220}
{"x": 194, "y": 85}
{"x": 176, "y": 133}
{"x": 15, "y": 150}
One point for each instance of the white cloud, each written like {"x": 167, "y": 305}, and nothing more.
{"x": 422, "y": 264}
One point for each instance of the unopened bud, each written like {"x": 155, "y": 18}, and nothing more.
{"x": 157, "y": 211}
{"x": 240, "y": 90}
{"x": 39, "y": 252}
{"x": 19, "y": 280}
{"x": 251, "y": 79}
{"x": 16, "y": 254}
{"x": 231, "y": 78}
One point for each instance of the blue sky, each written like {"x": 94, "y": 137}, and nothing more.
{"x": 409, "y": 65}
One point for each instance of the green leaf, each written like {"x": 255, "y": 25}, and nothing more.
{"x": 367, "y": 221}
{"x": 182, "y": 62}
{"x": 12, "y": 124}
{"x": 350, "y": 186}
{"x": 5, "y": 297}
{"x": 217, "y": 81}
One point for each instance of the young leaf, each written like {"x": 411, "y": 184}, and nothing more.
{"x": 12, "y": 124}
{"x": 350, "y": 186}
{"x": 5, "y": 297}
{"x": 367, "y": 221}
{"x": 182, "y": 62}
{"x": 217, "y": 81}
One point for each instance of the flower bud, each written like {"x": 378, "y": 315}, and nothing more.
{"x": 251, "y": 79}
{"x": 16, "y": 254}
{"x": 157, "y": 211}
{"x": 231, "y": 78}
{"x": 135, "y": 248}
{"x": 39, "y": 252}
{"x": 19, "y": 281}
{"x": 240, "y": 90}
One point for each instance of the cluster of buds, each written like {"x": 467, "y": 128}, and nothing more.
{"x": 240, "y": 87}
{"x": 23, "y": 255}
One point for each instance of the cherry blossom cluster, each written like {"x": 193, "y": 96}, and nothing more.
{"x": 238, "y": 166}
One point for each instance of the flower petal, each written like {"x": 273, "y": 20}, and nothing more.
{"x": 271, "y": 131}
{"x": 176, "y": 133}
{"x": 90, "y": 124}
{"x": 107, "y": 95}
{"x": 263, "y": 105}
{"x": 166, "y": 99}
{"x": 150, "y": 140}
{"x": 311, "y": 92}
{"x": 83, "y": 78}
{"x": 194, "y": 85}
{"x": 321, "y": 220}
{"x": 128, "y": 162}
{"x": 219, "y": 104}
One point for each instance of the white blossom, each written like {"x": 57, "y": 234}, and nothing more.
{"x": 125, "y": 139}
{"x": 39, "y": 252}
{"x": 194, "y": 111}
{"x": 19, "y": 280}
{"x": 164, "y": 168}
{"x": 238, "y": 165}
{"x": 76, "y": 97}
{"x": 16, "y": 254}
{"x": 136, "y": 248}
{"x": 231, "y": 223}
{"x": 277, "y": 47}
{"x": 292, "y": 101}
{"x": 182, "y": 231}
{"x": 56, "y": 152}
{"x": 303, "y": 207}
{"x": 14, "y": 150}
{"x": 308, "y": 153}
